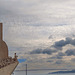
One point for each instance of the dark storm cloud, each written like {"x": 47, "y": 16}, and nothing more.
{"x": 43, "y": 51}
{"x": 62, "y": 43}
{"x": 70, "y": 52}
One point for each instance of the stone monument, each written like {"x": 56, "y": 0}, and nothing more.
{"x": 3, "y": 46}
{"x": 7, "y": 64}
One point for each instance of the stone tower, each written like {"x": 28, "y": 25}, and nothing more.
{"x": 7, "y": 64}
{"x": 3, "y": 46}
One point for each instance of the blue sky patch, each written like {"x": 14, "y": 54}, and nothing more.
{"x": 21, "y": 60}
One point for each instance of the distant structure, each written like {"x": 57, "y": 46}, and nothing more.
{"x": 7, "y": 64}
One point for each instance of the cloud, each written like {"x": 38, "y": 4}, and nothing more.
{"x": 58, "y": 56}
{"x": 61, "y": 54}
{"x": 70, "y": 52}
{"x": 73, "y": 60}
{"x": 37, "y": 20}
{"x": 37, "y": 51}
{"x": 29, "y": 23}
{"x": 48, "y": 51}
{"x": 51, "y": 61}
{"x": 43, "y": 51}
{"x": 59, "y": 62}
{"x": 56, "y": 48}
{"x": 62, "y": 43}
{"x": 45, "y": 10}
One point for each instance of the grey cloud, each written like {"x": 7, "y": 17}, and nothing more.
{"x": 59, "y": 62}
{"x": 50, "y": 37}
{"x": 58, "y": 46}
{"x": 48, "y": 51}
{"x": 73, "y": 60}
{"x": 62, "y": 43}
{"x": 70, "y": 52}
{"x": 43, "y": 51}
{"x": 50, "y": 61}
{"x": 59, "y": 57}
{"x": 17, "y": 48}
{"x": 56, "y": 57}
{"x": 61, "y": 54}
{"x": 37, "y": 51}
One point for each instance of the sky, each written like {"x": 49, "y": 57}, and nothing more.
{"x": 42, "y": 31}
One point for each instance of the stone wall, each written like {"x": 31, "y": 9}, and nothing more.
{"x": 3, "y": 46}
{"x": 8, "y": 69}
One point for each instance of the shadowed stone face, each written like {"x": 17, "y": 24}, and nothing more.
{"x": 3, "y": 46}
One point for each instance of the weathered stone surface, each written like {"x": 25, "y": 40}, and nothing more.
{"x": 8, "y": 69}
{"x": 3, "y": 46}
{"x": 7, "y": 64}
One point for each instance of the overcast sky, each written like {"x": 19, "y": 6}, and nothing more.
{"x": 44, "y": 25}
